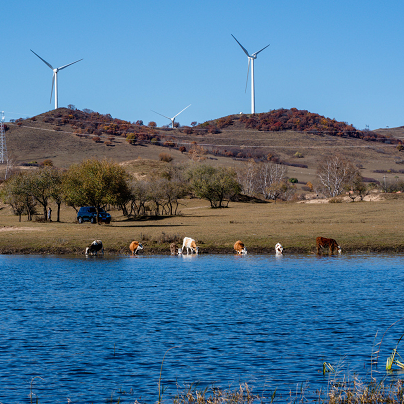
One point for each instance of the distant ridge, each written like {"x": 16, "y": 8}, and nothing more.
{"x": 293, "y": 137}
{"x": 93, "y": 123}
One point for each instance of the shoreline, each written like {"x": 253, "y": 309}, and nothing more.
{"x": 124, "y": 251}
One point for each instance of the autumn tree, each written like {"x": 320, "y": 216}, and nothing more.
{"x": 56, "y": 190}
{"x": 44, "y": 184}
{"x": 358, "y": 188}
{"x": 139, "y": 196}
{"x": 334, "y": 173}
{"x": 96, "y": 183}
{"x": 217, "y": 185}
{"x": 16, "y": 192}
{"x": 174, "y": 188}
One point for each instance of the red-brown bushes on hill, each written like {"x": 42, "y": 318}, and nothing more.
{"x": 224, "y": 122}
{"x": 213, "y": 129}
{"x": 187, "y": 130}
{"x": 301, "y": 120}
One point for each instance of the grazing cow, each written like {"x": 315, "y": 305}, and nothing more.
{"x": 173, "y": 248}
{"x": 135, "y": 246}
{"x": 323, "y": 242}
{"x": 278, "y": 249}
{"x": 239, "y": 247}
{"x": 189, "y": 244}
{"x": 94, "y": 247}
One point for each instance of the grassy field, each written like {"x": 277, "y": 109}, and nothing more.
{"x": 358, "y": 226}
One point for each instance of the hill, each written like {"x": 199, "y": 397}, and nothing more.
{"x": 293, "y": 137}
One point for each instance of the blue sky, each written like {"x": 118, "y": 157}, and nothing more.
{"x": 342, "y": 59}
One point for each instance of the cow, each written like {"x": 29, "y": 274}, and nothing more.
{"x": 239, "y": 247}
{"x": 189, "y": 244}
{"x": 135, "y": 246}
{"x": 330, "y": 243}
{"x": 278, "y": 249}
{"x": 94, "y": 247}
{"x": 173, "y": 248}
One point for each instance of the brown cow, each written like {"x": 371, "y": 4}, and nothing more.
{"x": 330, "y": 243}
{"x": 239, "y": 247}
{"x": 135, "y": 246}
{"x": 173, "y": 248}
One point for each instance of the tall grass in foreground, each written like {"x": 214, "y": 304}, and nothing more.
{"x": 344, "y": 392}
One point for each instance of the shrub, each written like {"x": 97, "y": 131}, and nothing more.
{"x": 96, "y": 138}
{"x": 182, "y": 149}
{"x": 165, "y": 157}
{"x": 298, "y": 155}
{"x": 293, "y": 180}
{"x": 131, "y": 138}
{"x": 47, "y": 162}
{"x": 310, "y": 186}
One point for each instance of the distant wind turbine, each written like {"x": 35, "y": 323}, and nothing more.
{"x": 173, "y": 118}
{"x": 55, "y": 77}
{"x": 251, "y": 59}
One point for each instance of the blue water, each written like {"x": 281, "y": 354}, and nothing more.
{"x": 88, "y": 329}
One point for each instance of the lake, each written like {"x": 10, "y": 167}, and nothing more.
{"x": 88, "y": 329}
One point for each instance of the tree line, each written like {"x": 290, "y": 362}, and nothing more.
{"x": 106, "y": 183}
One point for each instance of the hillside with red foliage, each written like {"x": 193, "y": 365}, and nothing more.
{"x": 302, "y": 121}
{"x": 293, "y": 137}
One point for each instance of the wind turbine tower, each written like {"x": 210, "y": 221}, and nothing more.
{"x": 173, "y": 118}
{"x": 251, "y": 59}
{"x": 55, "y": 76}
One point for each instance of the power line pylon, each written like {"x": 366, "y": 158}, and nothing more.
{"x": 3, "y": 146}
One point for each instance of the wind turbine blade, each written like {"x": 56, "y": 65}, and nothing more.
{"x": 60, "y": 68}
{"x": 53, "y": 83}
{"x": 181, "y": 111}
{"x": 242, "y": 47}
{"x": 248, "y": 71}
{"x": 158, "y": 113}
{"x": 42, "y": 59}
{"x": 256, "y": 53}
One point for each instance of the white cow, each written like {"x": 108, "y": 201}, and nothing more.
{"x": 278, "y": 249}
{"x": 94, "y": 247}
{"x": 189, "y": 244}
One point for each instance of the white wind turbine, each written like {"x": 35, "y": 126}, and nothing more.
{"x": 251, "y": 59}
{"x": 55, "y": 76}
{"x": 173, "y": 118}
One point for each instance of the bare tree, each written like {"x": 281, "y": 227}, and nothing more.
{"x": 270, "y": 174}
{"x": 247, "y": 177}
{"x": 267, "y": 179}
{"x": 334, "y": 173}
